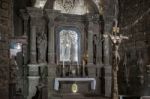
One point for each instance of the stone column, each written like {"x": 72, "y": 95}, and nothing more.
{"x": 107, "y": 59}
{"x": 51, "y": 14}
{"x": 33, "y": 51}
{"x": 36, "y": 15}
{"x": 90, "y": 39}
{"x": 98, "y": 42}
{"x": 98, "y": 32}
{"x": 91, "y": 67}
{"x": 25, "y": 18}
{"x": 108, "y": 15}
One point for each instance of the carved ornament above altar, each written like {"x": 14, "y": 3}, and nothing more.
{"x": 78, "y": 7}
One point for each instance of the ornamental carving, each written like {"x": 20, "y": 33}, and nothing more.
{"x": 68, "y": 5}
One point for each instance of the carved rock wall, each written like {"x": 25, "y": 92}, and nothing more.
{"x": 134, "y": 23}
{"x": 5, "y": 30}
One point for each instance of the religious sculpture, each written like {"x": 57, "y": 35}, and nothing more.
{"x": 116, "y": 39}
{"x": 97, "y": 41}
{"x": 140, "y": 65}
{"x": 68, "y": 49}
{"x": 68, "y": 46}
{"x": 126, "y": 69}
{"x": 42, "y": 46}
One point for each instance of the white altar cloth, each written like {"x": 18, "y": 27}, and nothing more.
{"x": 58, "y": 80}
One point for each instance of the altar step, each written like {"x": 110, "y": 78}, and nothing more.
{"x": 84, "y": 97}
{"x": 80, "y": 96}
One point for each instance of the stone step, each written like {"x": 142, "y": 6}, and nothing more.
{"x": 80, "y": 96}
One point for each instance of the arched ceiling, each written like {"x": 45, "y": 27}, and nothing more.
{"x": 70, "y": 6}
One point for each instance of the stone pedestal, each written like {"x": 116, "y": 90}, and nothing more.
{"x": 33, "y": 83}
{"x": 51, "y": 79}
{"x": 33, "y": 79}
{"x": 37, "y": 75}
{"x": 108, "y": 80}
{"x": 91, "y": 70}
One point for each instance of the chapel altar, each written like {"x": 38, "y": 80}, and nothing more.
{"x": 65, "y": 50}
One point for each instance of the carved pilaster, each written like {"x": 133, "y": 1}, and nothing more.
{"x": 25, "y": 18}
{"x": 98, "y": 39}
{"x": 35, "y": 15}
{"x": 36, "y": 22}
{"x": 107, "y": 55}
{"x": 51, "y": 14}
{"x": 90, "y": 39}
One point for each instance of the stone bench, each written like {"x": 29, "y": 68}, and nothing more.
{"x": 58, "y": 80}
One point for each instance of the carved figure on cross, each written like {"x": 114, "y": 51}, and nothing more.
{"x": 116, "y": 39}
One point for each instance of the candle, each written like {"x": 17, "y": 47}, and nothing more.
{"x": 83, "y": 63}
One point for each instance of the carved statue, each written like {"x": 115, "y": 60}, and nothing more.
{"x": 126, "y": 69}
{"x": 97, "y": 41}
{"x": 66, "y": 42}
{"x": 68, "y": 46}
{"x": 140, "y": 65}
{"x": 42, "y": 46}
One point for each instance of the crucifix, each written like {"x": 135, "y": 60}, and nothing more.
{"x": 116, "y": 39}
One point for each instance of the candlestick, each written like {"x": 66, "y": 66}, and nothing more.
{"x": 63, "y": 74}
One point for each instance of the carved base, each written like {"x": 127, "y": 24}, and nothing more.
{"x": 33, "y": 82}
{"x": 33, "y": 69}
{"x": 33, "y": 79}
{"x": 108, "y": 80}
{"x": 91, "y": 70}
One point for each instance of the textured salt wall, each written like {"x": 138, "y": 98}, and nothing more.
{"x": 5, "y": 31}
{"x": 134, "y": 21}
